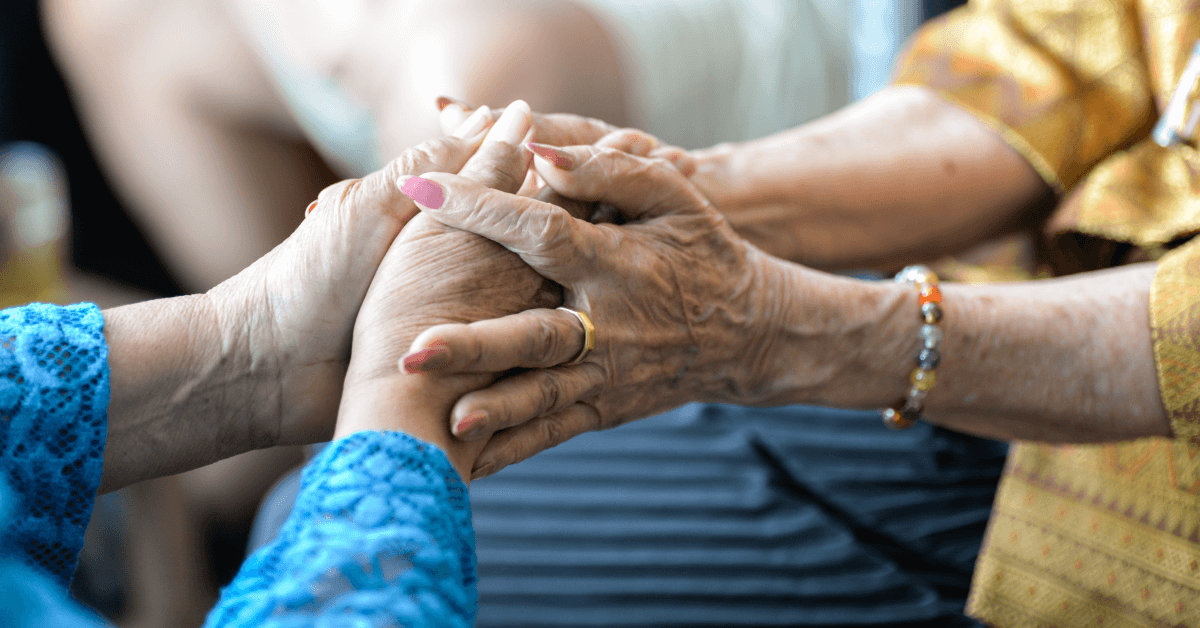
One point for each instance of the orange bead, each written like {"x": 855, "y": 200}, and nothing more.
{"x": 930, "y": 294}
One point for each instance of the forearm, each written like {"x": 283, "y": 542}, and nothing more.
{"x": 414, "y": 404}
{"x": 1064, "y": 360}
{"x": 898, "y": 176}
{"x": 184, "y": 390}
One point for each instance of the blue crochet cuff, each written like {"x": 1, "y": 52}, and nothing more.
{"x": 53, "y": 421}
{"x": 381, "y": 532}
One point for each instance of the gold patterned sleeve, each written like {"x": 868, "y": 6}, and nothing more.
{"x": 1175, "y": 329}
{"x": 1064, "y": 83}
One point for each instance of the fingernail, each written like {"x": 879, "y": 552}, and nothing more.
{"x": 425, "y": 192}
{"x": 471, "y": 425}
{"x": 426, "y": 360}
{"x": 475, "y": 123}
{"x": 513, "y": 125}
{"x": 446, "y": 101}
{"x": 560, "y": 159}
{"x": 311, "y": 207}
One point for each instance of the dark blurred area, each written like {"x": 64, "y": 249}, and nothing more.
{"x": 35, "y": 106}
{"x": 933, "y": 8}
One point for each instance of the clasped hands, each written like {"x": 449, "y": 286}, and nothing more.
{"x": 372, "y": 316}
{"x": 677, "y": 298}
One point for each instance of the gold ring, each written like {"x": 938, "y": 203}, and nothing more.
{"x": 589, "y": 335}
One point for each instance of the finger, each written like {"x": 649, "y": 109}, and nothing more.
{"x": 523, "y": 441}
{"x": 555, "y": 244}
{"x": 631, "y": 141}
{"x": 680, "y": 158}
{"x": 475, "y": 123}
{"x": 565, "y": 129}
{"x": 531, "y": 339}
{"x": 501, "y": 163}
{"x": 452, "y": 113}
{"x": 347, "y": 204}
{"x": 517, "y": 399}
{"x": 638, "y": 187}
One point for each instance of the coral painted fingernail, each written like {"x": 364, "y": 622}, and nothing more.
{"x": 446, "y": 101}
{"x": 560, "y": 159}
{"x": 470, "y": 426}
{"x": 425, "y": 192}
{"x": 426, "y": 360}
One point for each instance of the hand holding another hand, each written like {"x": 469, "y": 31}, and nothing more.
{"x": 434, "y": 275}
{"x": 677, "y": 299}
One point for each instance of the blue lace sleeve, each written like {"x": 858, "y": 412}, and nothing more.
{"x": 53, "y": 418}
{"x": 380, "y": 536}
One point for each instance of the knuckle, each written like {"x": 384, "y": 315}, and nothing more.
{"x": 553, "y": 233}
{"x": 338, "y": 192}
{"x": 551, "y": 393}
{"x": 553, "y": 432}
{"x": 472, "y": 349}
{"x": 547, "y": 334}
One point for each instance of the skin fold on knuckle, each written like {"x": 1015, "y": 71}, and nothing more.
{"x": 550, "y": 392}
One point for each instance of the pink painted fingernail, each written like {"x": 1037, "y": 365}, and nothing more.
{"x": 425, "y": 192}
{"x": 426, "y": 360}
{"x": 560, "y": 159}
{"x": 470, "y": 427}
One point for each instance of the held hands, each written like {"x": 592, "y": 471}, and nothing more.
{"x": 434, "y": 275}
{"x": 679, "y": 303}
{"x": 290, "y": 315}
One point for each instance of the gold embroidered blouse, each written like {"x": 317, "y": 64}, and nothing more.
{"x": 1104, "y": 535}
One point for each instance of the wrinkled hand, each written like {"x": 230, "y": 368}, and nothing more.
{"x": 432, "y": 275}
{"x": 678, "y": 302}
{"x": 291, "y": 313}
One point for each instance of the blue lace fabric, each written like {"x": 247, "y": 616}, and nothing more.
{"x": 380, "y": 536}
{"x": 53, "y": 416}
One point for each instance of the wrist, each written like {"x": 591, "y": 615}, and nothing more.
{"x": 247, "y": 361}
{"x": 417, "y": 405}
{"x": 836, "y": 341}
{"x": 716, "y": 175}
{"x": 178, "y": 400}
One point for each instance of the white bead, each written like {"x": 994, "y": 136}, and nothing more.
{"x": 932, "y": 334}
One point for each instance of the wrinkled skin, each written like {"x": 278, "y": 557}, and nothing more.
{"x": 291, "y": 313}
{"x": 678, "y": 296}
{"x": 433, "y": 275}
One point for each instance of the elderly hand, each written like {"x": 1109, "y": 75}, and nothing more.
{"x": 293, "y": 310}
{"x": 677, "y": 299}
{"x": 434, "y": 275}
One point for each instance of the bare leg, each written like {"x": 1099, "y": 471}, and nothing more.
{"x": 188, "y": 128}
{"x": 555, "y": 54}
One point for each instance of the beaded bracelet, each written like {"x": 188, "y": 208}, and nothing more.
{"x": 906, "y": 412}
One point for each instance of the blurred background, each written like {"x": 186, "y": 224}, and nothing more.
{"x": 155, "y": 557}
